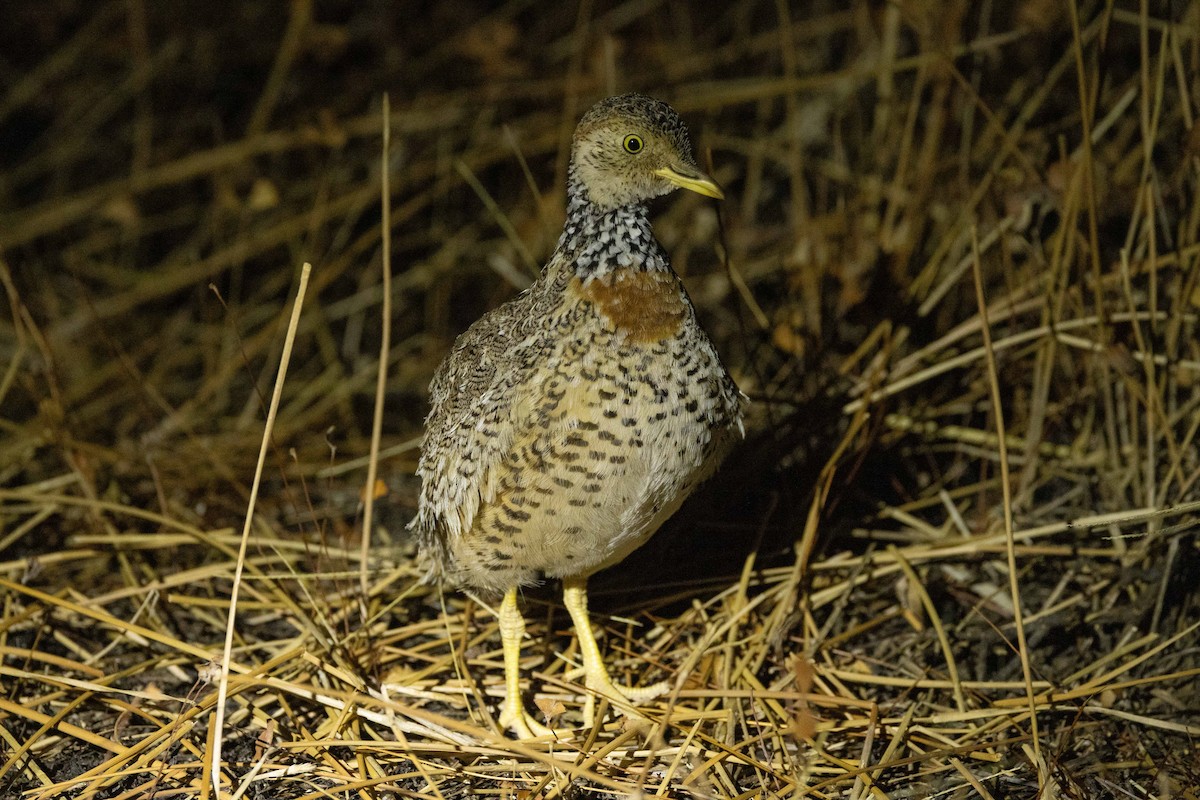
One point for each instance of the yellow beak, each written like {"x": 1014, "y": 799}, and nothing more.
{"x": 688, "y": 178}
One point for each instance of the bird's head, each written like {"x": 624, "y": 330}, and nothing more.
{"x": 632, "y": 148}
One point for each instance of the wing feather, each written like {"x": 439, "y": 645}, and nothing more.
{"x": 473, "y": 420}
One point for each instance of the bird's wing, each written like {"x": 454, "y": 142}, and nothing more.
{"x": 475, "y": 399}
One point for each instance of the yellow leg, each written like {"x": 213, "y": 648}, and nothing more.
{"x": 595, "y": 674}
{"x": 512, "y": 713}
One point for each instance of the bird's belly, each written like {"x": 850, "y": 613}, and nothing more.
{"x": 637, "y": 477}
{"x": 614, "y": 446}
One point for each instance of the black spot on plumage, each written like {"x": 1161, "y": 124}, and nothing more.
{"x": 514, "y": 514}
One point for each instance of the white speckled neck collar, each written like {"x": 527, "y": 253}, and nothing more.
{"x": 596, "y": 241}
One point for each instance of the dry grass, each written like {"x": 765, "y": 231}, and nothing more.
{"x": 957, "y": 272}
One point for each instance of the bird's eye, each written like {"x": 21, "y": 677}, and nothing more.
{"x": 634, "y": 143}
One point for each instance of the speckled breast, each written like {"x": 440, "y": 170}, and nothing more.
{"x": 629, "y": 410}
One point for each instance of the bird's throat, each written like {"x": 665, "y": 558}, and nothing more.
{"x": 598, "y": 241}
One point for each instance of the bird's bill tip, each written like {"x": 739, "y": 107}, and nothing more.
{"x": 692, "y": 180}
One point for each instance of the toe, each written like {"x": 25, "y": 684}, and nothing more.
{"x": 515, "y": 719}
{"x": 641, "y": 694}
{"x": 625, "y": 699}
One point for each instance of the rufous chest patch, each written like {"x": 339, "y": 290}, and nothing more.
{"x": 644, "y": 306}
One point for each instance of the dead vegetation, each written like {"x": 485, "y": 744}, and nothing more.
{"x": 957, "y": 272}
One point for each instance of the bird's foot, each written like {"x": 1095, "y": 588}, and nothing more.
{"x": 513, "y": 717}
{"x": 625, "y": 699}
{"x": 595, "y": 675}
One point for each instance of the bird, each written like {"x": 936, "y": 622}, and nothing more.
{"x": 569, "y": 423}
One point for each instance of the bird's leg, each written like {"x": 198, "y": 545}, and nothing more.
{"x": 595, "y": 674}
{"x": 512, "y": 631}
